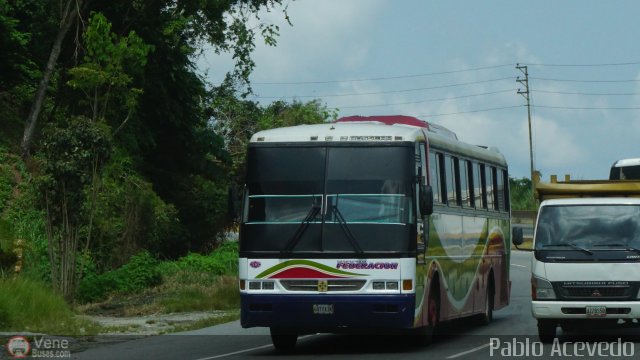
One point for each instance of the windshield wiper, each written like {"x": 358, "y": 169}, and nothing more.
{"x": 295, "y": 239}
{"x": 624, "y": 247}
{"x": 345, "y": 227}
{"x": 570, "y": 245}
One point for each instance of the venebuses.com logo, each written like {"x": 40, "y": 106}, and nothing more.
{"x": 19, "y": 347}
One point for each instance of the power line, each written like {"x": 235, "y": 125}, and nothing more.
{"x": 383, "y": 78}
{"x": 583, "y": 93}
{"x": 584, "y": 65}
{"x": 389, "y": 91}
{"x": 585, "y": 81}
{"x": 470, "y": 111}
{"x": 428, "y": 100}
{"x": 586, "y": 108}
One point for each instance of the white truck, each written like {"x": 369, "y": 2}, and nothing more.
{"x": 586, "y": 256}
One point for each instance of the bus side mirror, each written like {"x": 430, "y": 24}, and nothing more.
{"x": 516, "y": 236}
{"x": 426, "y": 200}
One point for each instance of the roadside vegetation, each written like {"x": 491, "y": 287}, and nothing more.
{"x": 117, "y": 156}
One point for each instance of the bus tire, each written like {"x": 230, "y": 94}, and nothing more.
{"x": 546, "y": 330}
{"x": 487, "y": 316}
{"x": 433, "y": 313}
{"x": 283, "y": 341}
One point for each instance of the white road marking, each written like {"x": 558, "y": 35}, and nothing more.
{"x": 522, "y": 266}
{"x": 245, "y": 350}
{"x": 468, "y": 351}
{"x": 236, "y": 352}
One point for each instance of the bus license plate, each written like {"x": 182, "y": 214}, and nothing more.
{"x": 323, "y": 309}
{"x": 596, "y": 311}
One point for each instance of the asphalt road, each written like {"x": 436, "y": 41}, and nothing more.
{"x": 511, "y": 334}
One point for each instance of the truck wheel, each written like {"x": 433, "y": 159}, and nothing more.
{"x": 546, "y": 330}
{"x": 283, "y": 341}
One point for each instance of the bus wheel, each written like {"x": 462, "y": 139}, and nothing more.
{"x": 433, "y": 312}
{"x": 546, "y": 330}
{"x": 283, "y": 341}
{"x": 487, "y": 317}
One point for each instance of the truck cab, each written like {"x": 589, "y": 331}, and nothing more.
{"x": 586, "y": 263}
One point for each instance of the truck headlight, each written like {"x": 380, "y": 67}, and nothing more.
{"x": 541, "y": 289}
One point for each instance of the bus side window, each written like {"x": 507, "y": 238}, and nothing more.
{"x": 488, "y": 178}
{"x": 478, "y": 179}
{"x": 465, "y": 182}
{"x": 451, "y": 181}
{"x": 435, "y": 176}
{"x": 500, "y": 191}
{"x": 505, "y": 190}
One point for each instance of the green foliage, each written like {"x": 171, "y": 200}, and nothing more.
{"x": 521, "y": 194}
{"x": 104, "y": 74}
{"x": 139, "y": 273}
{"x": 15, "y": 64}
{"x": 280, "y": 114}
{"x": 27, "y": 222}
{"x": 71, "y": 161}
{"x": 7, "y": 179}
{"x": 27, "y": 305}
{"x": 222, "y": 261}
{"x": 129, "y": 216}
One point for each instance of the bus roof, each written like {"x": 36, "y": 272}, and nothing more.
{"x": 379, "y": 128}
{"x": 627, "y": 162}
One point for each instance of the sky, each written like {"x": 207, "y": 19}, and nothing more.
{"x": 454, "y": 63}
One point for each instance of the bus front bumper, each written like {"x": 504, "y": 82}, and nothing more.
{"x": 328, "y": 313}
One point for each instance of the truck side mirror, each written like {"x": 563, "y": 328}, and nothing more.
{"x": 516, "y": 236}
{"x": 426, "y": 200}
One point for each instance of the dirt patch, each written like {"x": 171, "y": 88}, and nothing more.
{"x": 154, "y": 324}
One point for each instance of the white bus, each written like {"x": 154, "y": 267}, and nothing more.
{"x": 371, "y": 224}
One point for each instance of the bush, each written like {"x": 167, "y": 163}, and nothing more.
{"x": 139, "y": 273}
{"x": 222, "y": 261}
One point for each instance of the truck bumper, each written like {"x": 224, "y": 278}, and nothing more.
{"x": 577, "y": 309}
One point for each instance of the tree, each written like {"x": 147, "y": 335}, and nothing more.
{"x": 68, "y": 165}
{"x": 69, "y": 16}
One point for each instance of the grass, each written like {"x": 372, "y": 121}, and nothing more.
{"x": 220, "y": 293}
{"x": 27, "y": 305}
{"x": 182, "y": 291}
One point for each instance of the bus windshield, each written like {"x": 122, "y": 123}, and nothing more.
{"x": 367, "y": 189}
{"x": 587, "y": 228}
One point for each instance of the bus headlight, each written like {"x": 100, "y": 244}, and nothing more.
{"x": 541, "y": 289}
{"x": 264, "y": 285}
{"x": 382, "y": 285}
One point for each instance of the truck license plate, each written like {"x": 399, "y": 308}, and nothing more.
{"x": 596, "y": 311}
{"x": 323, "y": 309}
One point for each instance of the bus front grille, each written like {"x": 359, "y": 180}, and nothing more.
{"x": 333, "y": 285}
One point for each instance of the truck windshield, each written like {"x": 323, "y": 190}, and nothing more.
{"x": 363, "y": 194}
{"x": 588, "y": 227}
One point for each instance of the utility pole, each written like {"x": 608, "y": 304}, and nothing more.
{"x": 525, "y": 94}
